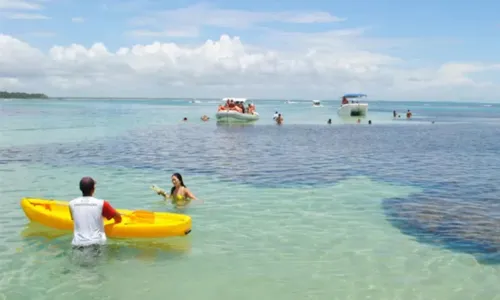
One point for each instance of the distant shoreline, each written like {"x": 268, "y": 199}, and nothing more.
{"x": 19, "y": 95}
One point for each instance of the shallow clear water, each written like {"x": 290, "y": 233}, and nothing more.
{"x": 394, "y": 210}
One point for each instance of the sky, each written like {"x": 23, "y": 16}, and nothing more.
{"x": 316, "y": 49}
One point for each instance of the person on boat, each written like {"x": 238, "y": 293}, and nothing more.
{"x": 234, "y": 106}
{"x": 344, "y": 100}
{"x": 87, "y": 214}
{"x": 179, "y": 193}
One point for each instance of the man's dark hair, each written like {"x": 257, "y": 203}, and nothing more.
{"x": 87, "y": 184}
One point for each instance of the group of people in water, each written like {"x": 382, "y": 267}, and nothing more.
{"x": 278, "y": 117}
{"x": 358, "y": 121}
{"x": 204, "y": 118}
{"x": 237, "y": 106}
{"x": 395, "y": 115}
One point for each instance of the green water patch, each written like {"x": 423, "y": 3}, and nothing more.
{"x": 288, "y": 243}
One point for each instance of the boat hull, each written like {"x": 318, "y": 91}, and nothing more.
{"x": 234, "y": 116}
{"x": 353, "y": 110}
{"x": 55, "y": 214}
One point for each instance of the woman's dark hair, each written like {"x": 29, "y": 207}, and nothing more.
{"x": 180, "y": 180}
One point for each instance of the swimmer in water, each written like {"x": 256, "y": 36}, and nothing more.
{"x": 279, "y": 119}
{"x": 179, "y": 193}
{"x": 408, "y": 114}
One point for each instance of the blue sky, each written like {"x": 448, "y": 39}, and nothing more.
{"x": 471, "y": 29}
{"x": 422, "y": 33}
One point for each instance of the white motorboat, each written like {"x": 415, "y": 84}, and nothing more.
{"x": 316, "y": 103}
{"x": 352, "y": 108}
{"x": 227, "y": 115}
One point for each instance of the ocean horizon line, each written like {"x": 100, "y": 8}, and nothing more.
{"x": 266, "y": 99}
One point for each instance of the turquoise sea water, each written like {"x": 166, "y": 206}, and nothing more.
{"x": 400, "y": 209}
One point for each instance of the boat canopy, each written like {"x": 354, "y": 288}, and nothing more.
{"x": 237, "y": 100}
{"x": 355, "y": 95}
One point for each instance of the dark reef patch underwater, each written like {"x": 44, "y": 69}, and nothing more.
{"x": 456, "y": 165}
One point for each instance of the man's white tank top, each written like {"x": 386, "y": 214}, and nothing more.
{"x": 88, "y": 221}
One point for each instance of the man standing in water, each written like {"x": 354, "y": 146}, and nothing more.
{"x": 87, "y": 214}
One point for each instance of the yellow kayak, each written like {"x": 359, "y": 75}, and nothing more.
{"x": 135, "y": 224}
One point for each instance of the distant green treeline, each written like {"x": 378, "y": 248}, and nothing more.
{"x": 15, "y": 95}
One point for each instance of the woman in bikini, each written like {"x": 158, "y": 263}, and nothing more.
{"x": 180, "y": 195}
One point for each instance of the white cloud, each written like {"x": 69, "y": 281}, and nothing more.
{"x": 200, "y": 15}
{"x": 204, "y": 14}
{"x": 19, "y": 5}
{"x": 454, "y": 75}
{"x": 7, "y": 83}
{"x": 77, "y": 20}
{"x": 178, "y": 32}
{"x": 20, "y": 16}
{"x": 229, "y": 66}
{"x": 10, "y": 9}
